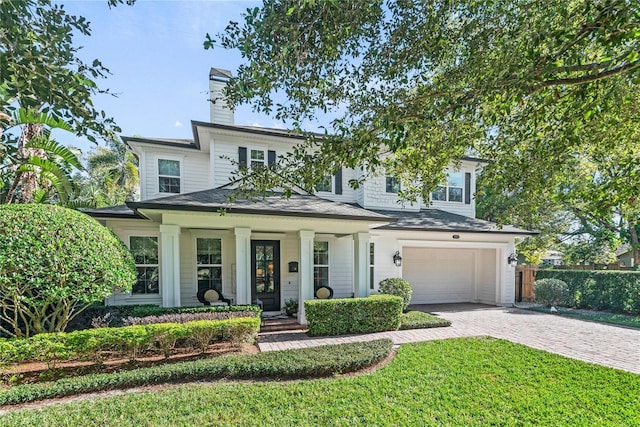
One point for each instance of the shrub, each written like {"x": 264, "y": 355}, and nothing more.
{"x": 354, "y": 315}
{"x": 549, "y": 290}
{"x": 54, "y": 263}
{"x": 300, "y": 363}
{"x": 398, "y": 287}
{"x": 154, "y": 310}
{"x": 127, "y": 340}
{"x": 616, "y": 291}
{"x": 421, "y": 320}
{"x": 188, "y": 317}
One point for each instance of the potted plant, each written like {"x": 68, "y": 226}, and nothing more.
{"x": 291, "y": 307}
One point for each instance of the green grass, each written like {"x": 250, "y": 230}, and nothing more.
{"x": 595, "y": 316}
{"x": 456, "y": 382}
{"x": 420, "y": 320}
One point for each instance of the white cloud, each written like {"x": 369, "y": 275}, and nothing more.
{"x": 178, "y": 124}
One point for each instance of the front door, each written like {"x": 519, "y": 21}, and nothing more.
{"x": 265, "y": 273}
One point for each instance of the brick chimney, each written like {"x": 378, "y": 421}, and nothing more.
{"x": 220, "y": 112}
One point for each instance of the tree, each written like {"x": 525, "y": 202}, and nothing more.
{"x": 113, "y": 175}
{"x": 54, "y": 263}
{"x": 418, "y": 85}
{"x": 41, "y": 76}
{"x": 34, "y": 167}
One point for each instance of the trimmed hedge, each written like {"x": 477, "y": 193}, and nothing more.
{"x": 300, "y": 363}
{"x": 421, "y": 320}
{"x": 127, "y": 340}
{"x": 550, "y": 291}
{"x": 339, "y": 316}
{"x": 154, "y": 310}
{"x": 615, "y": 291}
{"x": 398, "y": 287}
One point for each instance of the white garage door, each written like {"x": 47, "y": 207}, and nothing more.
{"x": 439, "y": 275}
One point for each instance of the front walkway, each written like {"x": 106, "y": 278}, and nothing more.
{"x": 606, "y": 345}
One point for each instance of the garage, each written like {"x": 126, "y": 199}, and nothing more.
{"x": 448, "y": 275}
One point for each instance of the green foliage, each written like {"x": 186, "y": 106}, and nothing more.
{"x": 420, "y": 320}
{"x": 550, "y": 291}
{"x": 154, "y": 310}
{"x": 353, "y": 315}
{"x": 90, "y": 344}
{"x": 55, "y": 262}
{"x": 594, "y": 316}
{"x": 398, "y": 287}
{"x": 616, "y": 291}
{"x": 300, "y": 363}
{"x": 428, "y": 383}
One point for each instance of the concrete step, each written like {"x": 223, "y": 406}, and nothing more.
{"x": 280, "y": 323}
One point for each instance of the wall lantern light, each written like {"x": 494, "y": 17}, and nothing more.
{"x": 397, "y": 259}
{"x": 512, "y": 260}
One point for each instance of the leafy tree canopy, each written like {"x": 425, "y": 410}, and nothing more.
{"x": 546, "y": 90}
{"x": 40, "y": 69}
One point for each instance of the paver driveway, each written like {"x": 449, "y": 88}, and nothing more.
{"x": 606, "y": 345}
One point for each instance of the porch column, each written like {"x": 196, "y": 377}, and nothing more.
{"x": 170, "y": 264}
{"x": 243, "y": 265}
{"x": 306, "y": 272}
{"x": 361, "y": 264}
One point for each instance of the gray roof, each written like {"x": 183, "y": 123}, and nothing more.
{"x": 437, "y": 220}
{"x": 121, "y": 211}
{"x": 298, "y": 205}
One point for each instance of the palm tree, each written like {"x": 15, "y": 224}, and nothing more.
{"x": 34, "y": 167}
{"x": 115, "y": 171}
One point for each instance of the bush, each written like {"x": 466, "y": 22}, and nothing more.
{"x": 421, "y": 320}
{"x": 54, "y": 263}
{"x": 300, "y": 363}
{"x": 398, "y": 287}
{"x": 548, "y": 291}
{"x": 615, "y": 291}
{"x": 354, "y": 315}
{"x": 154, "y": 310}
{"x": 188, "y": 317}
{"x": 127, "y": 340}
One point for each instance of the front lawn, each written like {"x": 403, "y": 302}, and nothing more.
{"x": 471, "y": 381}
{"x": 594, "y": 316}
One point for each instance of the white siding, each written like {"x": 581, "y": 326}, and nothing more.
{"x": 289, "y": 282}
{"x": 384, "y": 268}
{"x": 340, "y": 265}
{"x": 486, "y": 277}
{"x": 348, "y": 194}
{"x": 376, "y": 196}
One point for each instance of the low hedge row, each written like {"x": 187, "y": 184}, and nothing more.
{"x": 154, "y": 310}
{"x": 421, "y": 320}
{"x": 354, "y": 315}
{"x": 189, "y": 317}
{"x": 300, "y": 363}
{"x": 615, "y": 291}
{"x": 91, "y": 344}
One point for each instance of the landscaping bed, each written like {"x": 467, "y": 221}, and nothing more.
{"x": 420, "y": 320}
{"x": 591, "y": 315}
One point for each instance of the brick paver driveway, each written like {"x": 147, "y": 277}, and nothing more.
{"x": 605, "y": 345}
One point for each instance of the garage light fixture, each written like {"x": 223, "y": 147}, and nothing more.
{"x": 512, "y": 260}
{"x": 397, "y": 259}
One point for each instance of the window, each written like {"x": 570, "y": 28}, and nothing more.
{"x": 145, "y": 254}
{"x": 168, "y": 176}
{"x": 393, "y": 185}
{"x": 209, "y": 263}
{"x": 452, "y": 191}
{"x": 257, "y": 158}
{"x": 371, "y": 258}
{"x": 324, "y": 184}
{"x": 320, "y": 264}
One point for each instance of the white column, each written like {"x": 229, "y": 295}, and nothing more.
{"x": 306, "y": 272}
{"x": 361, "y": 264}
{"x": 170, "y": 265}
{"x": 243, "y": 265}
{"x": 507, "y": 296}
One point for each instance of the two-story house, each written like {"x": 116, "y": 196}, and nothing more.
{"x": 277, "y": 248}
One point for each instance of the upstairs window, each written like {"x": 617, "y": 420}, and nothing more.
{"x": 145, "y": 253}
{"x": 168, "y": 176}
{"x": 257, "y": 158}
{"x": 393, "y": 185}
{"x": 324, "y": 184}
{"x": 452, "y": 191}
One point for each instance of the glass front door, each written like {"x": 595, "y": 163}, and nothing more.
{"x": 265, "y": 273}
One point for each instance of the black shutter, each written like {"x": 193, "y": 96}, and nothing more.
{"x": 271, "y": 157}
{"x": 467, "y": 188}
{"x": 339, "y": 181}
{"x": 242, "y": 157}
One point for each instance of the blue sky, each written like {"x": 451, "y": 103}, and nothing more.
{"x": 159, "y": 67}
